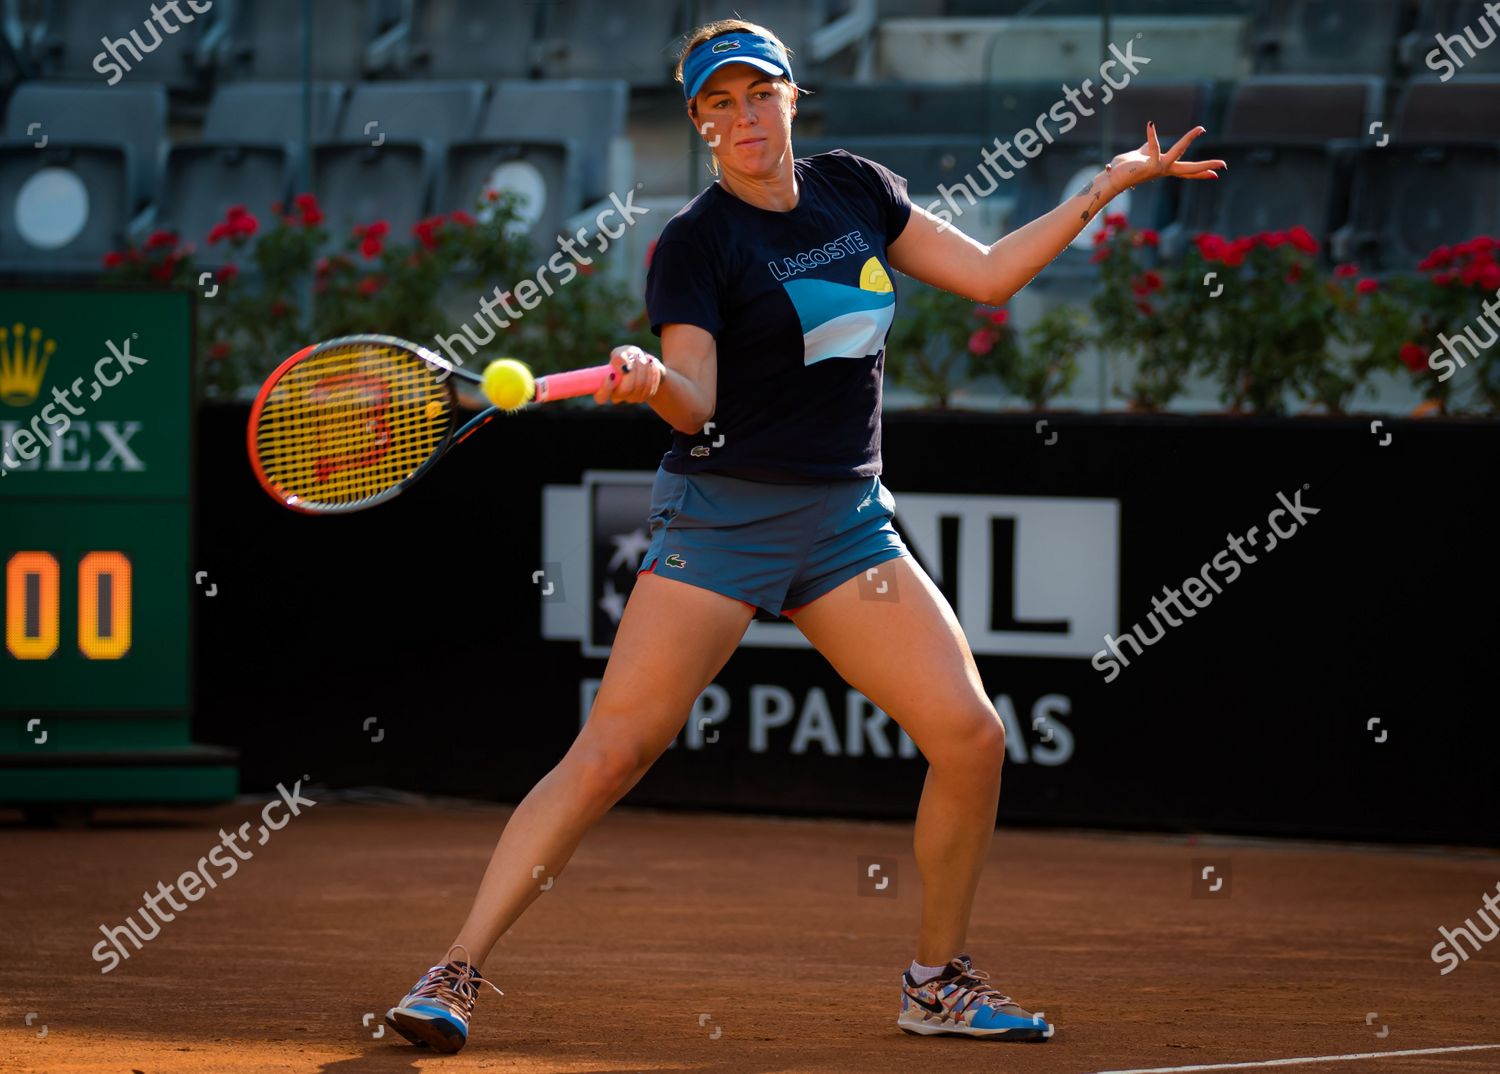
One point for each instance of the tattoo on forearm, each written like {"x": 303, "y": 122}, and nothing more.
{"x": 1091, "y": 207}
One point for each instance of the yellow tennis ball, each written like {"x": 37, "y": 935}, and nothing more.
{"x": 508, "y": 384}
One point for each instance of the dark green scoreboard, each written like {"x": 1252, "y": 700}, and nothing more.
{"x": 96, "y": 572}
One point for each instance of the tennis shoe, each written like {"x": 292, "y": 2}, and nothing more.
{"x": 437, "y": 1010}
{"x": 959, "y": 1002}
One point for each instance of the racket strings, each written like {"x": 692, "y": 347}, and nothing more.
{"x": 349, "y": 423}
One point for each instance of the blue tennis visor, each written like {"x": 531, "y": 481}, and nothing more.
{"x": 710, "y": 55}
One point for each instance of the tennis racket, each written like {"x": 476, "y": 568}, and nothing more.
{"x": 352, "y": 422}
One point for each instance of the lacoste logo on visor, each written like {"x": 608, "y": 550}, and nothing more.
{"x": 725, "y": 46}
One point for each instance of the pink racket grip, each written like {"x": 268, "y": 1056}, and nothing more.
{"x": 570, "y": 385}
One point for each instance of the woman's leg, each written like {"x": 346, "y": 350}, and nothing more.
{"x": 671, "y": 642}
{"x": 910, "y": 657}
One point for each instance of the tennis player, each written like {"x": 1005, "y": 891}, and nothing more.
{"x": 773, "y": 296}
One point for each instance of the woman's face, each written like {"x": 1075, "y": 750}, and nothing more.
{"x": 745, "y": 116}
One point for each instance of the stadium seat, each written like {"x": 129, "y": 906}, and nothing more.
{"x": 547, "y": 174}
{"x": 1321, "y": 37}
{"x": 69, "y": 41}
{"x": 1436, "y": 183}
{"x": 69, "y": 115}
{"x": 261, "y": 113}
{"x": 590, "y": 113}
{"x": 265, "y": 39}
{"x": 389, "y": 150}
{"x": 362, "y": 184}
{"x": 203, "y": 179}
{"x": 1290, "y": 142}
{"x": 926, "y": 162}
{"x": 438, "y": 111}
{"x": 250, "y": 153}
{"x": 62, "y": 208}
{"x": 607, "y": 39}
{"x": 446, "y": 32}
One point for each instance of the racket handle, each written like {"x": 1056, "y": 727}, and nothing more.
{"x": 570, "y": 385}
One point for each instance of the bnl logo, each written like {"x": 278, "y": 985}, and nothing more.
{"x": 1036, "y": 576}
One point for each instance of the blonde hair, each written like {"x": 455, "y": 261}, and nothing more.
{"x": 719, "y": 28}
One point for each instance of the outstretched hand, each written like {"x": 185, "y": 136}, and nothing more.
{"x": 1149, "y": 162}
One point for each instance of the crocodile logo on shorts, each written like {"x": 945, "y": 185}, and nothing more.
{"x": 700, "y": 451}
{"x": 674, "y": 560}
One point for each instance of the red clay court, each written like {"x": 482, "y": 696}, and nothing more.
{"x": 704, "y": 943}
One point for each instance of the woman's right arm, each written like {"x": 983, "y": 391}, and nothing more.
{"x": 681, "y": 388}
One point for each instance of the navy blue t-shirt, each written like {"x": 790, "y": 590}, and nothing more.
{"x": 799, "y": 304}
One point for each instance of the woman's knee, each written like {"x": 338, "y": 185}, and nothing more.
{"x": 603, "y": 772}
{"x": 975, "y": 739}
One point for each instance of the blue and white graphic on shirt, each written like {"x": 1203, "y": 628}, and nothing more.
{"x": 843, "y": 321}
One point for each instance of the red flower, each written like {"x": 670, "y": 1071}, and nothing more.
{"x": 1482, "y": 244}
{"x": 1489, "y": 277}
{"x": 1273, "y": 239}
{"x": 462, "y": 219}
{"x": 1211, "y": 247}
{"x": 1414, "y": 357}
{"x": 221, "y": 230}
{"x": 307, "y": 205}
{"x": 1294, "y": 273}
{"x": 1366, "y": 286}
{"x": 1343, "y": 272}
{"x": 1101, "y": 236}
{"x": 1101, "y": 254}
{"x": 999, "y": 317}
{"x": 164, "y": 271}
{"x": 585, "y": 270}
{"x": 491, "y": 194}
{"x": 1147, "y": 237}
{"x": 981, "y": 342}
{"x": 427, "y": 231}
{"x": 1443, "y": 279}
{"x": 1145, "y": 307}
{"x": 114, "y": 259}
{"x": 229, "y": 273}
{"x": 369, "y": 285}
{"x": 1302, "y": 239}
{"x": 242, "y": 226}
{"x": 159, "y": 239}
{"x": 1116, "y": 220}
{"x": 219, "y": 351}
{"x": 371, "y": 235}
{"x": 1234, "y": 257}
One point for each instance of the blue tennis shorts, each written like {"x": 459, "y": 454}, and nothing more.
{"x": 772, "y": 546}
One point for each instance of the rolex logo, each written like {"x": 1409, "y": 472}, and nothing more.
{"x": 23, "y": 363}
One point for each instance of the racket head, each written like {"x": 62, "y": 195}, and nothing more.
{"x": 349, "y": 423}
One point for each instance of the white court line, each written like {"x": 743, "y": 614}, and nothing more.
{"x": 1309, "y": 1059}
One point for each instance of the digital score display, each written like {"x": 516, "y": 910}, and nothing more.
{"x": 95, "y": 502}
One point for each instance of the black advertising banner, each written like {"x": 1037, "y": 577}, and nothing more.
{"x": 1276, "y": 626}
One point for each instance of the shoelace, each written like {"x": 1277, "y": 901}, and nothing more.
{"x": 456, "y": 989}
{"x": 979, "y": 990}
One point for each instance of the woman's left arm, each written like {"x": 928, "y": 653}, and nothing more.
{"x": 941, "y": 255}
